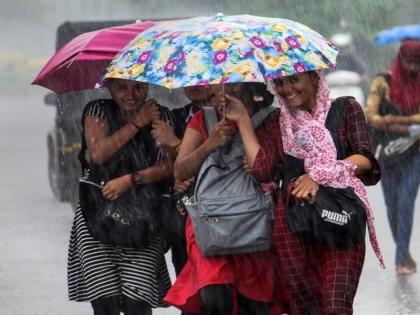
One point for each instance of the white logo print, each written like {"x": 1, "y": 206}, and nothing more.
{"x": 336, "y": 218}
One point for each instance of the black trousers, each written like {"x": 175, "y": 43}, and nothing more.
{"x": 115, "y": 304}
{"x": 179, "y": 253}
{"x": 218, "y": 299}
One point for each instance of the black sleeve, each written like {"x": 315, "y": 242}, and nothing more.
{"x": 94, "y": 108}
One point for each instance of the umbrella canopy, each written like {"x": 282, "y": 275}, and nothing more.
{"x": 79, "y": 64}
{"x": 222, "y": 49}
{"x": 398, "y": 34}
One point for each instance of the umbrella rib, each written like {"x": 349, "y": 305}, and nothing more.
{"x": 70, "y": 63}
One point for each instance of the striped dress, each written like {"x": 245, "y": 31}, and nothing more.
{"x": 98, "y": 270}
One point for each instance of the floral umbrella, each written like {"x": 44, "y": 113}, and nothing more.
{"x": 222, "y": 49}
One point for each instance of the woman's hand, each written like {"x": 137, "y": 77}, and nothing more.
{"x": 235, "y": 109}
{"x": 181, "y": 187}
{"x": 247, "y": 165}
{"x": 222, "y": 133}
{"x": 164, "y": 133}
{"x": 305, "y": 189}
{"x": 378, "y": 123}
{"x": 393, "y": 123}
{"x": 147, "y": 113}
{"x": 116, "y": 187}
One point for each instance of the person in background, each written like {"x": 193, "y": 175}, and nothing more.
{"x": 116, "y": 279}
{"x": 393, "y": 112}
{"x": 199, "y": 97}
{"x": 315, "y": 279}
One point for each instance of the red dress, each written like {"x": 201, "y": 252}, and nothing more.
{"x": 250, "y": 274}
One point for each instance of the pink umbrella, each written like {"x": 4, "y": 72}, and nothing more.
{"x": 79, "y": 64}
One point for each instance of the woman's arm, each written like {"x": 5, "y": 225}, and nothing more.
{"x": 102, "y": 146}
{"x": 261, "y": 159}
{"x": 236, "y": 111}
{"x": 398, "y": 124}
{"x": 193, "y": 151}
{"x": 165, "y": 135}
{"x": 378, "y": 91}
{"x": 363, "y": 164}
{"x": 357, "y": 139}
{"x": 156, "y": 173}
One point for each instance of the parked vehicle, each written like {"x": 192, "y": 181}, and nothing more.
{"x": 63, "y": 142}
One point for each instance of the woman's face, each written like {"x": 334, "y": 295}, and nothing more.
{"x": 299, "y": 90}
{"x": 411, "y": 65}
{"x": 217, "y": 92}
{"x": 128, "y": 94}
{"x": 198, "y": 93}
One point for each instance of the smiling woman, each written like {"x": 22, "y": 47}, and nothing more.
{"x": 129, "y": 95}
{"x": 116, "y": 238}
{"x": 298, "y": 90}
{"x": 315, "y": 277}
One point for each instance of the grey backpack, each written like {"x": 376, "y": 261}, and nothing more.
{"x": 229, "y": 210}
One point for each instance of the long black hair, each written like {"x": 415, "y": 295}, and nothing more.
{"x": 256, "y": 94}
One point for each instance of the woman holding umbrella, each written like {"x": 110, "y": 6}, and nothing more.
{"x": 316, "y": 279}
{"x": 219, "y": 284}
{"x": 393, "y": 112}
{"x": 116, "y": 278}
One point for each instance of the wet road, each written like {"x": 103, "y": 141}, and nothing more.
{"x": 34, "y": 229}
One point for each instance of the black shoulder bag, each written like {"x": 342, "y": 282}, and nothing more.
{"x": 338, "y": 217}
{"x": 129, "y": 220}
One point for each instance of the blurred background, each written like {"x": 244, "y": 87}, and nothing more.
{"x": 28, "y": 28}
{"x": 35, "y": 226}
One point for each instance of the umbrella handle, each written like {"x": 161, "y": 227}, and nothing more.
{"x": 224, "y": 104}
{"x": 150, "y": 92}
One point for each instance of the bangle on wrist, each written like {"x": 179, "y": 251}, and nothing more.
{"x": 135, "y": 125}
{"x": 137, "y": 179}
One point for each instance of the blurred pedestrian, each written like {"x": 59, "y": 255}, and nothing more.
{"x": 393, "y": 112}
{"x": 115, "y": 278}
{"x": 219, "y": 284}
{"x": 315, "y": 279}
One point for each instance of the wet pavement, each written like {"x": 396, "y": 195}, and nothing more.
{"x": 34, "y": 229}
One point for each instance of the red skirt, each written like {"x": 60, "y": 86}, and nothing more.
{"x": 252, "y": 275}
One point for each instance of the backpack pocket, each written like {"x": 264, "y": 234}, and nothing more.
{"x": 220, "y": 230}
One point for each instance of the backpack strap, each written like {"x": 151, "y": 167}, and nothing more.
{"x": 335, "y": 116}
{"x": 210, "y": 118}
{"x": 334, "y": 122}
{"x": 261, "y": 115}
